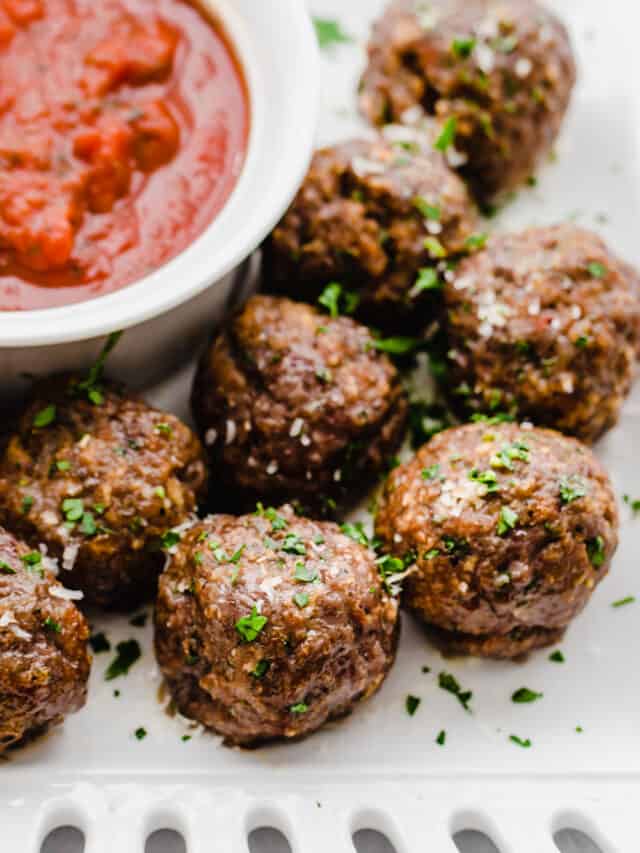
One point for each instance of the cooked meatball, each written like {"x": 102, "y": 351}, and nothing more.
{"x": 509, "y": 529}
{"x": 544, "y": 324}
{"x": 44, "y": 664}
{"x": 379, "y": 217}
{"x": 497, "y": 73}
{"x": 294, "y": 404}
{"x": 270, "y": 625}
{"x": 98, "y": 477}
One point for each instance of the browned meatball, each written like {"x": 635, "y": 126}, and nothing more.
{"x": 544, "y": 324}
{"x": 378, "y": 217}
{"x": 44, "y": 664}
{"x": 510, "y": 530}
{"x": 269, "y": 625}
{"x": 296, "y": 405}
{"x": 98, "y": 481}
{"x": 498, "y": 75}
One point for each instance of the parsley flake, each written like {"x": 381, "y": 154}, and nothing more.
{"x": 356, "y": 532}
{"x": 337, "y": 300}
{"x": 412, "y": 704}
{"x": 572, "y": 488}
{"x": 250, "y": 627}
{"x": 557, "y": 657}
{"x": 507, "y": 521}
{"x": 525, "y": 744}
{"x": 99, "y": 643}
{"x": 127, "y": 653}
{"x": 44, "y": 417}
{"x": 442, "y": 738}
{"x": 301, "y": 600}
{"x": 524, "y": 696}
{"x": 299, "y": 708}
{"x": 622, "y": 602}
{"x": 447, "y": 135}
{"x": 329, "y": 32}
{"x": 448, "y": 682}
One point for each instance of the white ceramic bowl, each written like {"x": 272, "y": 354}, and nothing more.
{"x": 167, "y": 314}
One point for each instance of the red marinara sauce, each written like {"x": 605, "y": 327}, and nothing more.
{"x": 123, "y": 130}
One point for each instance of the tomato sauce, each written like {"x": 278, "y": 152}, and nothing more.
{"x": 123, "y": 130}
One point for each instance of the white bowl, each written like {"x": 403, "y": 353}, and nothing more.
{"x": 167, "y": 314}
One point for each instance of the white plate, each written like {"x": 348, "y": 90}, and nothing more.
{"x": 380, "y": 768}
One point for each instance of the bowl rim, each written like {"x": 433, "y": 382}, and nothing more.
{"x": 211, "y": 257}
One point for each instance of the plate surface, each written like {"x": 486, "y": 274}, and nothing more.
{"x": 377, "y": 763}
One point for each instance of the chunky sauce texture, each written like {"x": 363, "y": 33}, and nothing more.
{"x": 123, "y": 129}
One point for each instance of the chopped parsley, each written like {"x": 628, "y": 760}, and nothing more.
{"x": 337, "y": 300}
{"x": 261, "y": 669}
{"x": 442, "y": 738}
{"x": 507, "y": 521}
{"x": 303, "y": 574}
{"x": 299, "y": 708}
{"x": 412, "y": 703}
{"x": 524, "y": 696}
{"x": 455, "y": 546}
{"x": 488, "y": 479}
{"x": 582, "y": 342}
{"x": 63, "y": 465}
{"x": 27, "y": 503}
{"x": 525, "y": 744}
{"x": 432, "y": 554}
{"x": 301, "y": 600}
{"x": 435, "y": 247}
{"x": 622, "y": 602}
{"x": 329, "y": 32}
{"x": 73, "y": 508}
{"x": 557, "y": 657}
{"x": 6, "y": 569}
{"x": 33, "y": 562}
{"x": 277, "y": 521}
{"x": 447, "y": 135}
{"x": 431, "y": 472}
{"x": 477, "y": 241}
{"x": 448, "y": 682}
{"x": 505, "y": 458}
{"x": 429, "y": 211}
{"x": 356, "y": 532}
{"x": 169, "y": 540}
{"x": 293, "y": 544}
{"x": 428, "y": 279}
{"x": 462, "y": 48}
{"x": 399, "y": 345}
{"x": 92, "y": 385}
{"x": 163, "y": 429}
{"x": 99, "y": 643}
{"x": 140, "y": 733}
{"x": 250, "y": 627}
{"x": 127, "y": 653}
{"x": 597, "y": 270}
{"x": 51, "y": 625}
{"x": 596, "y": 551}
{"x": 572, "y": 488}
{"x": 634, "y": 504}
{"x": 44, "y": 417}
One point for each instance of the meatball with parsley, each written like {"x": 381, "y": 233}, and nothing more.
{"x": 297, "y": 405}
{"x": 44, "y": 663}
{"x": 498, "y": 76}
{"x": 96, "y": 477}
{"x": 270, "y": 625}
{"x": 544, "y": 325}
{"x": 384, "y": 218}
{"x": 506, "y": 530}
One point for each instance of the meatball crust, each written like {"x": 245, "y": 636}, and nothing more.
{"x": 545, "y": 324}
{"x": 99, "y": 483}
{"x": 378, "y": 217}
{"x": 511, "y": 528}
{"x": 294, "y": 404}
{"x": 269, "y": 625}
{"x": 44, "y": 663}
{"x": 498, "y": 74}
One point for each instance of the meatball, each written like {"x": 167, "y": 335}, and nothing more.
{"x": 509, "y": 530}
{"x": 269, "y": 625}
{"x": 98, "y": 477}
{"x": 294, "y": 404}
{"x": 381, "y": 218}
{"x": 544, "y": 324}
{"x": 499, "y": 76}
{"x": 44, "y": 664}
